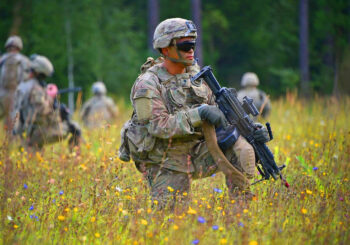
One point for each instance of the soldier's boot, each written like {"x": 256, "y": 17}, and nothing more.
{"x": 235, "y": 193}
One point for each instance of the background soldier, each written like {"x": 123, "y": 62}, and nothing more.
{"x": 164, "y": 136}
{"x": 249, "y": 84}
{"x": 14, "y": 67}
{"x": 38, "y": 119}
{"x": 99, "y": 109}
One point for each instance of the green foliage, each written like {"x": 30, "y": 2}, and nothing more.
{"x": 109, "y": 39}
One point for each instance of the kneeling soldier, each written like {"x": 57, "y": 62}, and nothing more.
{"x": 164, "y": 136}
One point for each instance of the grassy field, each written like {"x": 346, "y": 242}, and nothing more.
{"x": 58, "y": 197}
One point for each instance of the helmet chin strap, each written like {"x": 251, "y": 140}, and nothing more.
{"x": 181, "y": 59}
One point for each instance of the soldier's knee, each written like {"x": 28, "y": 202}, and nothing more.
{"x": 246, "y": 156}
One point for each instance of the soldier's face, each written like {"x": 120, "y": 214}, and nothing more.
{"x": 185, "y": 46}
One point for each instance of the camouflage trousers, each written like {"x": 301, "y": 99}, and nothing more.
{"x": 167, "y": 186}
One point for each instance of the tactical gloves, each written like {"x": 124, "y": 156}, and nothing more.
{"x": 213, "y": 115}
{"x": 261, "y": 134}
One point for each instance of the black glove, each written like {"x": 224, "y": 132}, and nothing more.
{"x": 261, "y": 134}
{"x": 213, "y": 115}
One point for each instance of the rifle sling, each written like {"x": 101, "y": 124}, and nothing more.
{"x": 224, "y": 165}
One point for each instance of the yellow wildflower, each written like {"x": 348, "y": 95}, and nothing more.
{"x": 223, "y": 241}
{"x": 15, "y": 226}
{"x": 309, "y": 192}
{"x": 97, "y": 235}
{"x": 61, "y": 218}
{"x": 93, "y": 219}
{"x": 245, "y": 211}
{"x": 175, "y": 227}
{"x": 191, "y": 211}
{"x": 304, "y": 211}
{"x": 253, "y": 243}
{"x": 144, "y": 222}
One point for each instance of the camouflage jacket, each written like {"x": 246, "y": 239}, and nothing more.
{"x": 98, "y": 109}
{"x": 14, "y": 68}
{"x": 173, "y": 124}
{"x": 33, "y": 110}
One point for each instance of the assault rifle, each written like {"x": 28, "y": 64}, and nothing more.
{"x": 237, "y": 114}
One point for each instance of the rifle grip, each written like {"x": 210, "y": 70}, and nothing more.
{"x": 269, "y": 130}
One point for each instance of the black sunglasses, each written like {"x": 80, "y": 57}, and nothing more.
{"x": 186, "y": 46}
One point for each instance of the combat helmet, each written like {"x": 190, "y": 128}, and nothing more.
{"x": 170, "y": 29}
{"x": 14, "y": 41}
{"x": 41, "y": 65}
{"x": 99, "y": 88}
{"x": 250, "y": 79}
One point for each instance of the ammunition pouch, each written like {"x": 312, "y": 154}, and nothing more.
{"x": 139, "y": 141}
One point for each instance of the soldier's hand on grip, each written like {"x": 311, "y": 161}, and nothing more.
{"x": 213, "y": 115}
{"x": 261, "y": 134}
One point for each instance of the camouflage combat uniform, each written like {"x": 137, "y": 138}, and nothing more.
{"x": 249, "y": 82}
{"x": 98, "y": 110}
{"x": 37, "y": 116}
{"x": 168, "y": 147}
{"x": 37, "y": 121}
{"x": 14, "y": 67}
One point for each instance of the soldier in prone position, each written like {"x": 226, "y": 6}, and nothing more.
{"x": 14, "y": 68}
{"x": 164, "y": 136}
{"x": 38, "y": 119}
{"x": 99, "y": 109}
{"x": 249, "y": 83}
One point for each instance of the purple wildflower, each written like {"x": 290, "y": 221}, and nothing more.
{"x": 215, "y": 227}
{"x": 25, "y": 186}
{"x": 315, "y": 168}
{"x": 213, "y": 175}
{"x": 195, "y": 241}
{"x": 31, "y": 207}
{"x": 201, "y": 219}
{"x": 217, "y": 190}
{"x": 240, "y": 224}
{"x": 61, "y": 192}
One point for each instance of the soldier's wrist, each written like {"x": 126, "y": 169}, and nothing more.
{"x": 194, "y": 117}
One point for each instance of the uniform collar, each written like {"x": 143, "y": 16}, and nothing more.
{"x": 165, "y": 76}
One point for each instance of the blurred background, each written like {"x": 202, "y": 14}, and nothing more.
{"x": 292, "y": 45}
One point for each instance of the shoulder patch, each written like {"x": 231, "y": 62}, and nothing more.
{"x": 144, "y": 93}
